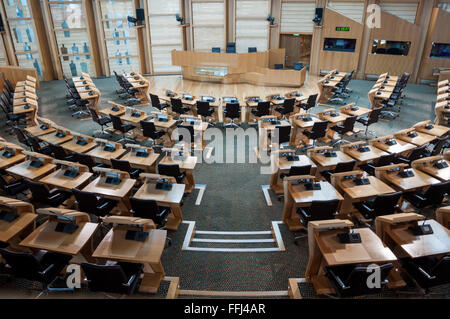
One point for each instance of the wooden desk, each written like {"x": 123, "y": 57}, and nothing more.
{"x": 104, "y": 157}
{"x": 326, "y": 116}
{"x": 436, "y": 130}
{"x": 120, "y": 192}
{"x": 418, "y": 181}
{"x": 115, "y": 246}
{"x": 443, "y": 216}
{"x": 325, "y": 249}
{"x": 25, "y": 170}
{"x": 37, "y": 131}
{"x": 8, "y": 162}
{"x": 58, "y": 180}
{"x": 171, "y": 198}
{"x": 146, "y": 164}
{"x": 419, "y": 140}
{"x": 281, "y": 165}
{"x": 353, "y": 110}
{"x": 80, "y": 242}
{"x": 297, "y": 196}
{"x": 12, "y": 232}
{"x": 427, "y": 165}
{"x": 399, "y": 148}
{"x": 362, "y": 157}
{"x": 405, "y": 244}
{"x": 327, "y": 163}
{"x": 55, "y": 140}
{"x": 73, "y": 147}
{"x": 187, "y": 165}
{"x": 115, "y": 109}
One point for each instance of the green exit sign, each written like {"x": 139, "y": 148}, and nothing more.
{"x": 342, "y": 28}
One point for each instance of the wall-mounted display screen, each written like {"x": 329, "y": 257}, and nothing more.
{"x": 391, "y": 47}
{"x": 440, "y": 50}
{"x": 337, "y": 44}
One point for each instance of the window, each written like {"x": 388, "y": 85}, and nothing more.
{"x": 342, "y": 45}
{"x": 391, "y": 47}
{"x": 440, "y": 50}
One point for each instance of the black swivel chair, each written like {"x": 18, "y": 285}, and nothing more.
{"x": 172, "y": 170}
{"x": 22, "y": 136}
{"x": 92, "y": 204}
{"x": 415, "y": 154}
{"x": 121, "y": 127}
{"x": 149, "y": 130}
{"x": 310, "y": 103}
{"x": 383, "y": 204}
{"x": 383, "y": 160}
{"x": 156, "y": 103}
{"x": 186, "y": 134}
{"x": 347, "y": 127}
{"x": 13, "y": 187}
{"x": 297, "y": 171}
{"x": 372, "y": 118}
{"x": 281, "y": 135}
{"x": 205, "y": 110}
{"x": 262, "y": 109}
{"x": 38, "y": 148}
{"x": 116, "y": 277}
{"x": 43, "y": 266}
{"x": 318, "y": 130}
{"x": 149, "y": 209}
{"x": 438, "y": 145}
{"x": 341, "y": 167}
{"x": 177, "y": 106}
{"x": 428, "y": 271}
{"x": 102, "y": 121}
{"x": 286, "y": 108}
{"x": 86, "y": 159}
{"x": 233, "y": 112}
{"x": 60, "y": 153}
{"x": 351, "y": 280}
{"x": 41, "y": 194}
{"x": 126, "y": 167}
{"x": 433, "y": 196}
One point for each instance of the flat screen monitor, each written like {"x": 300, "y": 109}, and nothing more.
{"x": 391, "y": 47}
{"x": 440, "y": 50}
{"x": 338, "y": 44}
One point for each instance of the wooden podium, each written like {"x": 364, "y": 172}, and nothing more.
{"x": 228, "y": 68}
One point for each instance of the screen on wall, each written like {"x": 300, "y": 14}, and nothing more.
{"x": 440, "y": 50}
{"x": 391, "y": 47}
{"x": 337, "y": 44}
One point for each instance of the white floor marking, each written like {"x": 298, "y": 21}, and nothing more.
{"x": 265, "y": 189}
{"x": 201, "y": 188}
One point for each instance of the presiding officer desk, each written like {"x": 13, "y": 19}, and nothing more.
{"x": 252, "y": 68}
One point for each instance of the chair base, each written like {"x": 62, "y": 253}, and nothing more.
{"x": 80, "y": 113}
{"x": 390, "y": 114}
{"x": 231, "y": 124}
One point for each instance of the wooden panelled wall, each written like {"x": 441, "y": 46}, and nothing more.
{"x": 211, "y": 23}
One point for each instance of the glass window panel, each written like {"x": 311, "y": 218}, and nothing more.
{"x": 30, "y": 61}
{"x": 73, "y": 43}
{"x": 124, "y": 65}
{"x": 67, "y": 16}
{"x": 120, "y": 48}
{"x": 23, "y": 36}
{"x": 162, "y": 59}
{"x": 17, "y": 9}
{"x": 74, "y": 65}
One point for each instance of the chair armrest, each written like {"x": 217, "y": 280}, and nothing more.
{"x": 429, "y": 277}
{"x": 401, "y": 160}
{"x": 338, "y": 280}
{"x": 305, "y": 213}
{"x": 54, "y": 196}
{"x": 103, "y": 206}
{"x": 128, "y": 284}
{"x": 47, "y": 270}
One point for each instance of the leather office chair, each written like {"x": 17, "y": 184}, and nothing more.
{"x": 383, "y": 160}
{"x": 102, "y": 121}
{"x": 286, "y": 108}
{"x": 318, "y": 130}
{"x": 149, "y": 130}
{"x": 87, "y": 160}
{"x": 172, "y": 170}
{"x": 92, "y": 204}
{"x": 43, "y": 266}
{"x": 11, "y": 118}
{"x": 348, "y": 126}
{"x": 262, "y": 109}
{"x": 341, "y": 167}
{"x": 114, "y": 277}
{"x": 351, "y": 280}
{"x": 186, "y": 131}
{"x": 13, "y": 187}
{"x": 121, "y": 127}
{"x": 372, "y": 118}
{"x": 281, "y": 135}
{"x": 41, "y": 194}
{"x": 319, "y": 210}
{"x": 36, "y": 146}
{"x": 60, "y": 153}
{"x": 438, "y": 145}
{"x": 204, "y": 110}
{"x": 415, "y": 154}
{"x": 177, "y": 106}
{"x": 232, "y": 111}
{"x": 126, "y": 167}
{"x": 22, "y": 137}
{"x": 149, "y": 209}
{"x": 383, "y": 204}
{"x": 310, "y": 103}
{"x": 156, "y": 103}
{"x": 433, "y": 196}
{"x": 297, "y": 171}
{"x": 428, "y": 271}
